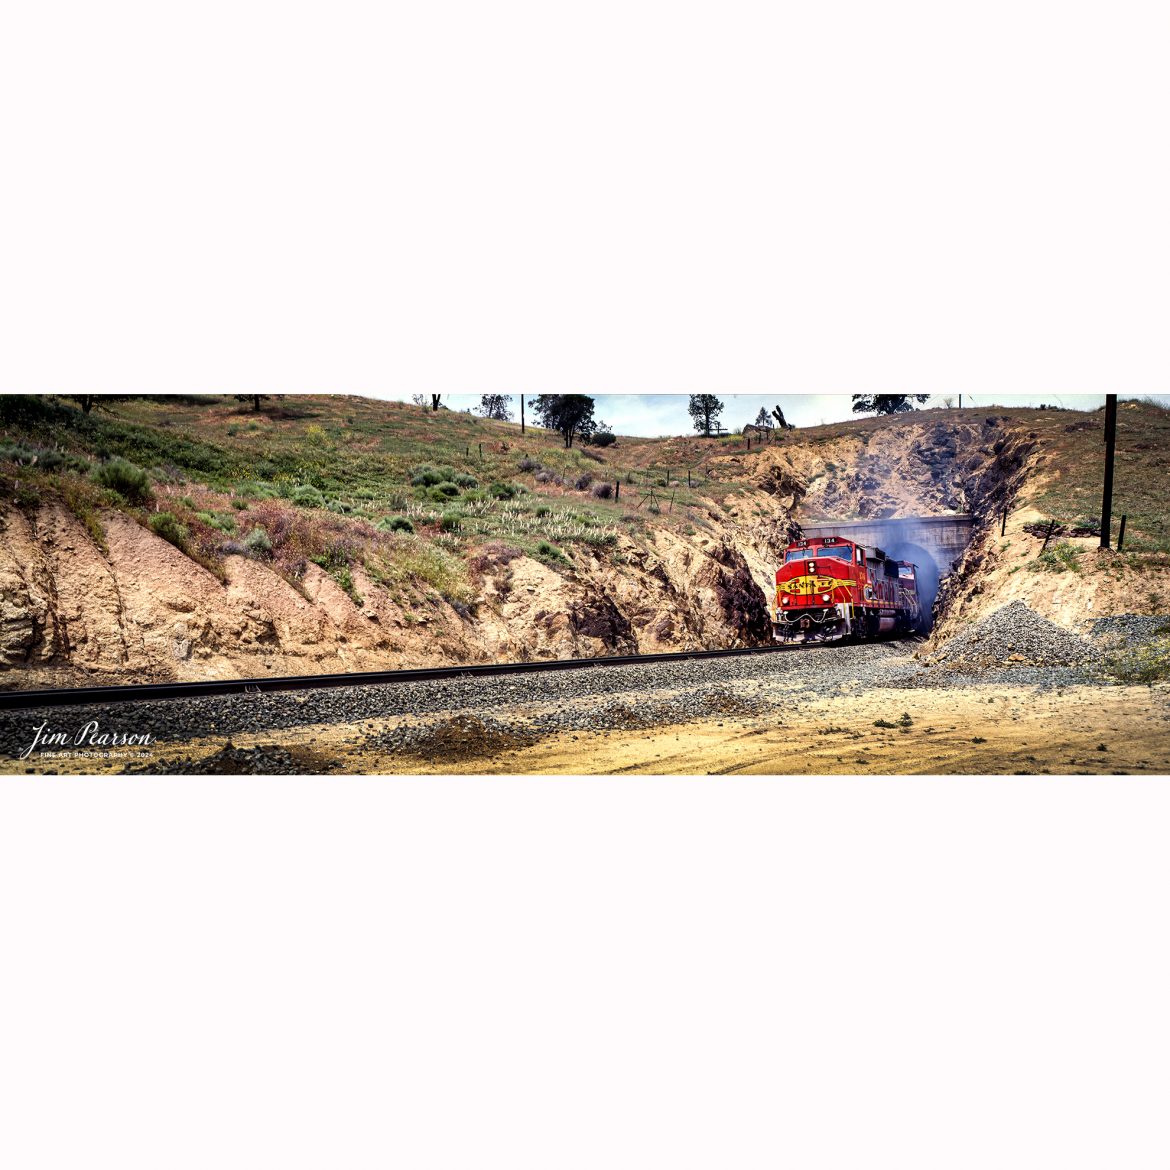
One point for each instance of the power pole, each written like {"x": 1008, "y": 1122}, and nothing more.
{"x": 1110, "y": 442}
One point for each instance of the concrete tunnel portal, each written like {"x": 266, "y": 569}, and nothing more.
{"x": 933, "y": 543}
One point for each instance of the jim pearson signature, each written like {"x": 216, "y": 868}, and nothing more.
{"x": 91, "y": 735}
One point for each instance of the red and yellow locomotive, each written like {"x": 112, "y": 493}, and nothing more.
{"x": 830, "y": 589}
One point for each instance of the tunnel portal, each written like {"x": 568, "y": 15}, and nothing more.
{"x": 933, "y": 543}
{"x": 944, "y": 537}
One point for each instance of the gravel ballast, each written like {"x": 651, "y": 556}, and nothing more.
{"x": 476, "y": 716}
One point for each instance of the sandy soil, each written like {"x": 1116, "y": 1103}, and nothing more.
{"x": 987, "y": 730}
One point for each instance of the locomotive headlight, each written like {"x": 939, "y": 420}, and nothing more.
{"x": 824, "y": 597}
{"x": 784, "y": 601}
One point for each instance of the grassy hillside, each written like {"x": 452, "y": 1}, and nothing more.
{"x": 336, "y": 481}
{"x": 427, "y": 501}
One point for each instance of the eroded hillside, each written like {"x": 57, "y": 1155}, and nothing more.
{"x": 201, "y": 538}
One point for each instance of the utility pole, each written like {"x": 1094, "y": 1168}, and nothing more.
{"x": 1110, "y": 442}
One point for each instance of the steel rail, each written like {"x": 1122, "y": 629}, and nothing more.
{"x": 142, "y": 692}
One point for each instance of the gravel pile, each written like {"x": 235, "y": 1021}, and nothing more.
{"x": 459, "y": 737}
{"x": 228, "y": 761}
{"x": 1014, "y": 635}
{"x": 1127, "y": 629}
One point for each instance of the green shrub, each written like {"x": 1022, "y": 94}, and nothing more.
{"x": 464, "y": 480}
{"x": 1140, "y": 664}
{"x": 258, "y": 543}
{"x": 224, "y": 521}
{"x": 17, "y": 453}
{"x": 1059, "y": 558}
{"x": 306, "y": 496}
{"x": 503, "y": 491}
{"x": 550, "y": 554}
{"x": 450, "y": 521}
{"x": 427, "y": 476}
{"x": 27, "y": 496}
{"x": 166, "y": 525}
{"x": 395, "y": 524}
{"x": 248, "y": 490}
{"x": 603, "y": 439}
{"x": 130, "y": 482}
{"x": 344, "y": 578}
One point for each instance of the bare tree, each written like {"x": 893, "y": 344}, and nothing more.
{"x": 781, "y": 421}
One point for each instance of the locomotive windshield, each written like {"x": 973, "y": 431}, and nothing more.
{"x": 812, "y": 554}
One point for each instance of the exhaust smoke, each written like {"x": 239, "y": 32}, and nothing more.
{"x": 894, "y": 540}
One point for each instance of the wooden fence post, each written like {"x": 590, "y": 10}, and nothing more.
{"x": 1003, "y": 523}
{"x": 1048, "y": 536}
{"x": 1121, "y": 535}
{"x": 617, "y": 490}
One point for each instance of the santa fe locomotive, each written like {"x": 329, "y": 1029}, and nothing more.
{"x": 830, "y": 589}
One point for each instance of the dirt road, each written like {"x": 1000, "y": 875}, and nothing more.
{"x": 981, "y": 730}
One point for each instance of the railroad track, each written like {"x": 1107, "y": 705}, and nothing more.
{"x": 90, "y": 696}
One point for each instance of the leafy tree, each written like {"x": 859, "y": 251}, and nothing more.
{"x": 571, "y": 415}
{"x": 885, "y": 403}
{"x": 705, "y": 409}
{"x": 496, "y": 406}
{"x": 603, "y": 435}
{"x": 88, "y": 401}
{"x": 764, "y": 419}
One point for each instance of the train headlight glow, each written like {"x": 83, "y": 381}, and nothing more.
{"x": 784, "y": 601}
{"x": 824, "y": 597}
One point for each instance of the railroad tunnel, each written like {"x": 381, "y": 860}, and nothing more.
{"x": 933, "y": 543}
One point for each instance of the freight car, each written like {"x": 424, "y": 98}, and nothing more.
{"x": 830, "y": 589}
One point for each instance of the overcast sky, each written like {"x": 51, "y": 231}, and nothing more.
{"x": 666, "y": 414}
